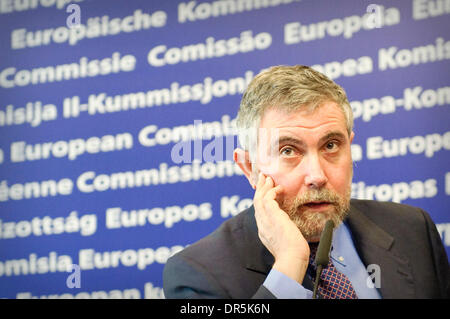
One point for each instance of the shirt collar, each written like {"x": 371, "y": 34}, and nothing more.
{"x": 340, "y": 244}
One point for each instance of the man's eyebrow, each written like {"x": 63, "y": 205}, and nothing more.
{"x": 335, "y": 134}
{"x": 300, "y": 143}
{"x": 291, "y": 140}
{"x": 295, "y": 141}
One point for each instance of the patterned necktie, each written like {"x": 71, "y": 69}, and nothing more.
{"x": 332, "y": 283}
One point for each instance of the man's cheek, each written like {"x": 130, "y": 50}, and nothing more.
{"x": 290, "y": 189}
{"x": 341, "y": 181}
{"x": 269, "y": 166}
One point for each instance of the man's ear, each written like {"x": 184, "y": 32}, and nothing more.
{"x": 242, "y": 159}
{"x": 351, "y": 137}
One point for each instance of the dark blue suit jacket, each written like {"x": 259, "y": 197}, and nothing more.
{"x": 233, "y": 263}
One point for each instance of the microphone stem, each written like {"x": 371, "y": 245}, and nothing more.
{"x": 316, "y": 283}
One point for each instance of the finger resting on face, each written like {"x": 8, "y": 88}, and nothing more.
{"x": 261, "y": 180}
{"x": 267, "y": 191}
{"x": 266, "y": 186}
{"x": 271, "y": 205}
{"x": 259, "y": 186}
{"x": 269, "y": 181}
{"x": 274, "y": 192}
{"x": 271, "y": 194}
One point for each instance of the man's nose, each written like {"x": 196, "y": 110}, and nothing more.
{"x": 314, "y": 175}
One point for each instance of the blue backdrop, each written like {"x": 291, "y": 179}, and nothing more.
{"x": 100, "y": 102}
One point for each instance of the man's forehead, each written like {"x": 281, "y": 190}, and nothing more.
{"x": 327, "y": 115}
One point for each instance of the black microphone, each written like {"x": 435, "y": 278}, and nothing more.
{"x": 323, "y": 252}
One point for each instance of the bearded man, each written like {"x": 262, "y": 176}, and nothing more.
{"x": 296, "y": 127}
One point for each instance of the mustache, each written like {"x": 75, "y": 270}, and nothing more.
{"x": 315, "y": 196}
{"x": 311, "y": 223}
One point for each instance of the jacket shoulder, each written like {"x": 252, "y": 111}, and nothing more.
{"x": 389, "y": 212}
{"x": 416, "y": 241}
{"x": 223, "y": 239}
{"x": 202, "y": 269}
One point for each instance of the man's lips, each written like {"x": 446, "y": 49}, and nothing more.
{"x": 317, "y": 204}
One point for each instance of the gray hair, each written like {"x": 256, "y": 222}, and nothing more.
{"x": 288, "y": 88}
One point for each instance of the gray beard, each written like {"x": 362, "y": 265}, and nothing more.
{"x": 311, "y": 223}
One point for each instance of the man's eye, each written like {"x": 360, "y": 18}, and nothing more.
{"x": 287, "y": 151}
{"x": 331, "y": 146}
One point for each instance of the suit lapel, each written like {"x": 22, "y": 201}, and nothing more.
{"x": 376, "y": 247}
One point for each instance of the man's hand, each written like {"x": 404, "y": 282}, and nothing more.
{"x": 278, "y": 232}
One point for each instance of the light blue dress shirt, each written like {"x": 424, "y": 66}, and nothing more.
{"x": 345, "y": 259}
